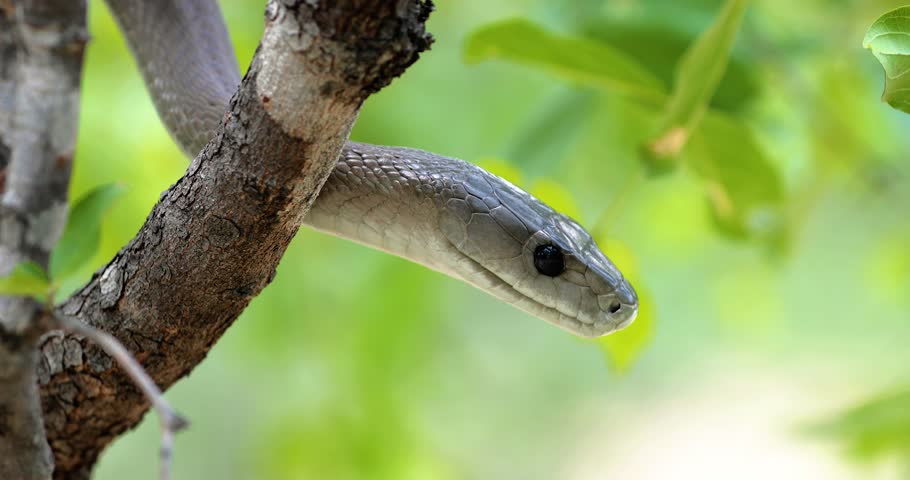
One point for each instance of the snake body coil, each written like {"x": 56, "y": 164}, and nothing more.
{"x": 441, "y": 212}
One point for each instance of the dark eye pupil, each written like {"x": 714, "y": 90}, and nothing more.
{"x": 615, "y": 306}
{"x": 548, "y": 260}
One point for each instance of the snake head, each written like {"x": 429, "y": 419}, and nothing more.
{"x": 522, "y": 251}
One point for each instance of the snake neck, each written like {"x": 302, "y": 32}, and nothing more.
{"x": 390, "y": 199}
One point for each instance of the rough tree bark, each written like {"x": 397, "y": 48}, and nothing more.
{"x": 214, "y": 239}
{"x": 41, "y": 45}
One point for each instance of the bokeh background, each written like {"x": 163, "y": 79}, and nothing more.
{"x": 758, "y": 355}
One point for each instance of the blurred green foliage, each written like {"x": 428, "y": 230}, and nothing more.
{"x": 741, "y": 184}
{"x": 743, "y": 188}
{"x": 354, "y": 364}
{"x": 878, "y": 427}
{"x": 881, "y": 426}
{"x": 578, "y": 59}
{"x": 698, "y": 72}
{"x": 659, "y": 47}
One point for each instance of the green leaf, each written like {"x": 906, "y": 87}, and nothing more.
{"x": 743, "y": 187}
{"x": 697, "y": 76}
{"x": 26, "y": 278}
{"x": 889, "y": 40}
{"x": 82, "y": 235}
{"x": 580, "y": 60}
{"x": 658, "y": 47}
{"x": 874, "y": 428}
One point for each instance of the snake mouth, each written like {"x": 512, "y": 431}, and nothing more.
{"x": 601, "y": 324}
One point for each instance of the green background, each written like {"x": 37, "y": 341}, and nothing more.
{"x": 354, "y": 364}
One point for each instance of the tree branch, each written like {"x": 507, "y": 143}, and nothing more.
{"x": 24, "y": 453}
{"x": 41, "y": 45}
{"x": 171, "y": 421}
{"x": 213, "y": 241}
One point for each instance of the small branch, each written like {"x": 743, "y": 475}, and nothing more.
{"x": 171, "y": 422}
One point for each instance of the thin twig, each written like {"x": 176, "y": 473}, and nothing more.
{"x": 171, "y": 421}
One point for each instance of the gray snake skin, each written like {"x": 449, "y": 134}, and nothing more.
{"x": 444, "y": 213}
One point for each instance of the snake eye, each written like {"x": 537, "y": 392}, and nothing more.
{"x": 548, "y": 260}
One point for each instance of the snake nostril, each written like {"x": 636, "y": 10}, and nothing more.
{"x": 615, "y": 306}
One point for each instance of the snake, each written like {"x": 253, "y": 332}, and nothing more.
{"x": 444, "y": 213}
